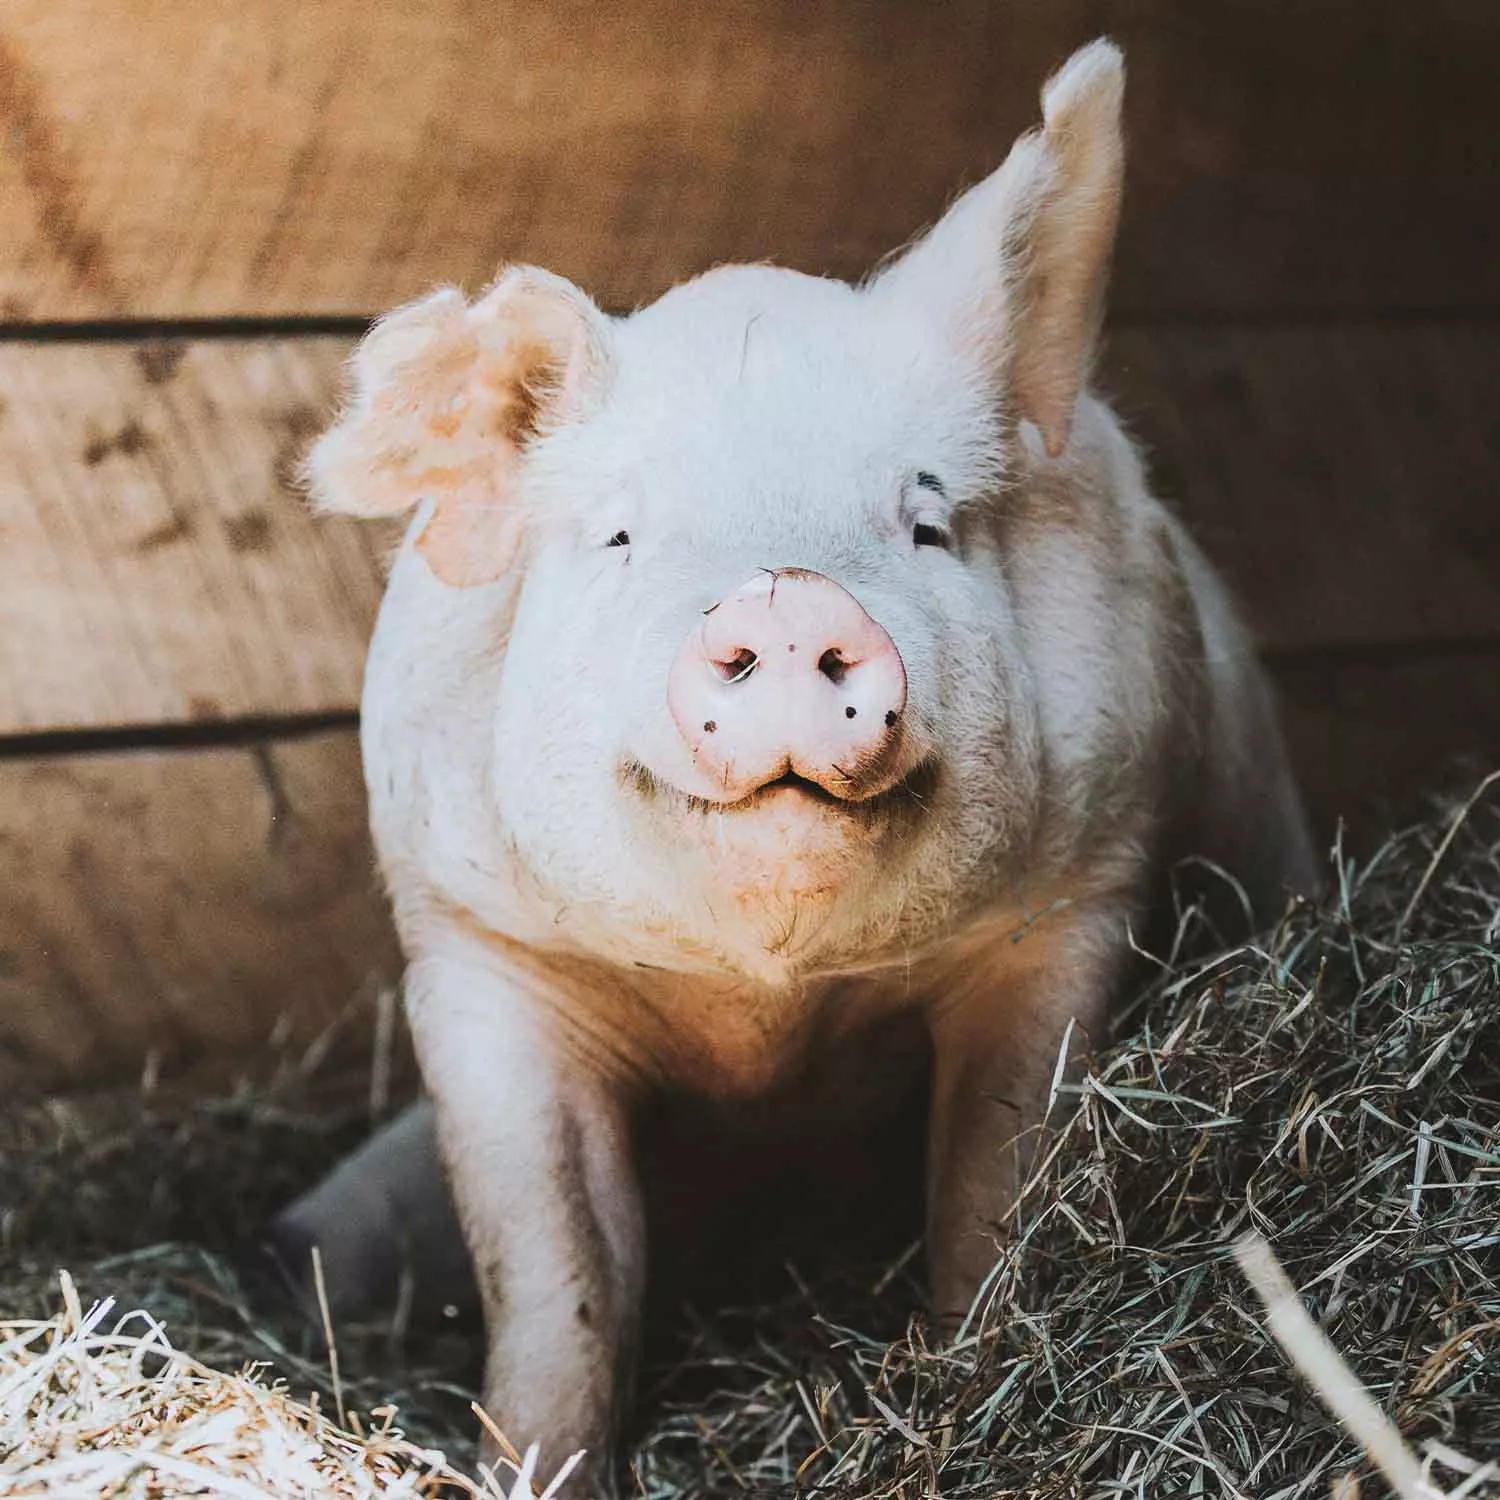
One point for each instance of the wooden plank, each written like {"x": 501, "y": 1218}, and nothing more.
{"x": 181, "y": 903}
{"x": 1374, "y": 736}
{"x": 1344, "y": 477}
{"x": 175, "y": 158}
{"x": 187, "y": 903}
{"x": 153, "y": 567}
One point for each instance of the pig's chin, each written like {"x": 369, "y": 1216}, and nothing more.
{"x": 788, "y": 841}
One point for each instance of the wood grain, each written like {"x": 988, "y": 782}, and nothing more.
{"x": 183, "y": 904}
{"x": 153, "y": 566}
{"x": 1376, "y": 736}
{"x": 204, "y": 158}
{"x": 1342, "y": 476}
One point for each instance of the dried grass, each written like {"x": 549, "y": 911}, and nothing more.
{"x": 1328, "y": 1098}
{"x": 97, "y": 1404}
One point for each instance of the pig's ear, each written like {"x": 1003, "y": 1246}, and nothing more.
{"x": 446, "y": 397}
{"x": 1019, "y": 263}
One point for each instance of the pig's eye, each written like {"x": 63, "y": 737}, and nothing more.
{"x": 928, "y": 533}
{"x": 619, "y": 539}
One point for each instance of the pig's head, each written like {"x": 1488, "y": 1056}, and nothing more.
{"x": 762, "y": 692}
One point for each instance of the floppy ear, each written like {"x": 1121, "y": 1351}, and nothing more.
{"x": 446, "y": 398}
{"x": 1019, "y": 264}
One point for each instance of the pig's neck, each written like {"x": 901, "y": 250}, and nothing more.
{"x": 728, "y": 1035}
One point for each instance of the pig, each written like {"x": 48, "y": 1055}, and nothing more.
{"x": 782, "y": 657}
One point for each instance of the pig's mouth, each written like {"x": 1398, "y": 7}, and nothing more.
{"x": 791, "y": 782}
{"x": 910, "y": 794}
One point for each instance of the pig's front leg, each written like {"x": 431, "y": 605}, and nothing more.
{"x": 996, "y": 1032}
{"x": 536, "y": 1147}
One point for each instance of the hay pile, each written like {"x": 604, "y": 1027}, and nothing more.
{"x": 101, "y": 1404}
{"x": 1334, "y": 1088}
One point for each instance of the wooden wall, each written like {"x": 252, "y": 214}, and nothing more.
{"x": 201, "y": 201}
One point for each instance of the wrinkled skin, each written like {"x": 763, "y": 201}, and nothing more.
{"x": 603, "y": 902}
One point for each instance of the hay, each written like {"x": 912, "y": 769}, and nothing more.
{"x": 1332, "y": 1092}
{"x": 100, "y": 1405}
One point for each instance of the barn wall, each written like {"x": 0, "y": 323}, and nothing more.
{"x": 202, "y": 201}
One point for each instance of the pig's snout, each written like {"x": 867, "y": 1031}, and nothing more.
{"x": 789, "y": 676}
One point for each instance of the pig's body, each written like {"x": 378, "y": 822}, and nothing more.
{"x": 1022, "y": 694}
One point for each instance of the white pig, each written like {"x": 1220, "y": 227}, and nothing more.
{"x": 780, "y": 657}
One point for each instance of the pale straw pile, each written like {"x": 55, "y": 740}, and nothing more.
{"x": 99, "y": 1403}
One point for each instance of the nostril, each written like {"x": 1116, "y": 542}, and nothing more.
{"x": 833, "y": 666}
{"x": 737, "y": 667}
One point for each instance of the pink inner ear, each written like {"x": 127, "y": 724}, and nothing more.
{"x": 528, "y": 356}
{"x": 483, "y": 426}
{"x": 470, "y": 542}
{"x": 452, "y": 431}
{"x": 449, "y": 398}
{"x": 1048, "y": 398}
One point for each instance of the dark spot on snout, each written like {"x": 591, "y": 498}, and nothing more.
{"x": 709, "y": 726}
{"x": 791, "y": 646}
{"x": 890, "y": 717}
{"x": 849, "y": 712}
{"x": 584, "y": 1313}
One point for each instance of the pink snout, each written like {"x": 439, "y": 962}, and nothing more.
{"x": 789, "y": 675}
